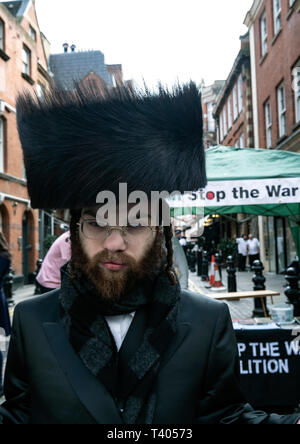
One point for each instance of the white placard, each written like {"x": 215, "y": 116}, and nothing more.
{"x": 242, "y": 192}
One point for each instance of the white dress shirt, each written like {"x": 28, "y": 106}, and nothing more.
{"x": 242, "y": 246}
{"x": 119, "y": 326}
{"x": 253, "y": 246}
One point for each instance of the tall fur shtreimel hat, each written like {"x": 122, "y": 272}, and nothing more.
{"x": 79, "y": 143}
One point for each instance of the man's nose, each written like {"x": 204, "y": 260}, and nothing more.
{"x": 115, "y": 241}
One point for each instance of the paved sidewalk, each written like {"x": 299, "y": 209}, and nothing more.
{"x": 243, "y": 308}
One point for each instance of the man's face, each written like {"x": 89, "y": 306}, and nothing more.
{"x": 114, "y": 262}
{"x": 250, "y": 236}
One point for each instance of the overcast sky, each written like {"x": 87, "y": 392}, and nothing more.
{"x": 156, "y": 40}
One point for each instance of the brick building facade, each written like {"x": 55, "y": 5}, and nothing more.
{"x": 209, "y": 98}
{"x": 275, "y": 71}
{"x": 23, "y": 65}
{"x": 275, "y": 53}
{"x": 233, "y": 110}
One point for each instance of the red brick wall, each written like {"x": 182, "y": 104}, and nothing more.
{"x": 12, "y": 181}
{"x": 239, "y": 125}
{"x": 283, "y": 53}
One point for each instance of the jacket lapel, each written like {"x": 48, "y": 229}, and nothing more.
{"x": 182, "y": 332}
{"x": 132, "y": 342}
{"x": 92, "y": 394}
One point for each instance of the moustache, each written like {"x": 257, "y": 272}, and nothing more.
{"x": 119, "y": 259}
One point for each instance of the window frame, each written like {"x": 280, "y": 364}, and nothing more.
{"x": 263, "y": 38}
{"x": 2, "y": 27}
{"x": 296, "y": 90}
{"x": 276, "y": 16}
{"x": 211, "y": 125}
{"x": 291, "y": 3}
{"x": 40, "y": 90}
{"x": 27, "y": 51}
{"x": 229, "y": 115}
{"x": 2, "y": 145}
{"x": 32, "y": 33}
{"x": 240, "y": 94}
{"x": 242, "y": 140}
{"x": 225, "y": 122}
{"x": 268, "y": 123}
{"x": 221, "y": 127}
{"x": 282, "y": 128}
{"x": 235, "y": 103}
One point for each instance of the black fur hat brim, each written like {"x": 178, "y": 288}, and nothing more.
{"x": 78, "y": 144}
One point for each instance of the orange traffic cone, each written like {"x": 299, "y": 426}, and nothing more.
{"x": 217, "y": 285}
{"x": 212, "y": 271}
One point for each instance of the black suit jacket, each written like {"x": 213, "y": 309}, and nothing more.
{"x": 47, "y": 383}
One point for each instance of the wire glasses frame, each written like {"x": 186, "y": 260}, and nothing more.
{"x": 91, "y": 230}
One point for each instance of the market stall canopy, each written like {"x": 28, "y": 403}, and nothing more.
{"x": 247, "y": 180}
{"x": 228, "y": 163}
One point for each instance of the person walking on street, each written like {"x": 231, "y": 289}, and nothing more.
{"x": 49, "y": 277}
{"x": 253, "y": 249}
{"x": 242, "y": 252}
{"x": 120, "y": 342}
{"x": 5, "y": 325}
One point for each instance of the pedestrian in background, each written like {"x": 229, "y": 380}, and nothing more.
{"x": 58, "y": 255}
{"x": 5, "y": 326}
{"x": 242, "y": 251}
{"x": 180, "y": 263}
{"x": 253, "y": 249}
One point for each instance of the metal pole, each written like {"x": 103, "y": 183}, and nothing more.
{"x": 259, "y": 284}
{"x": 292, "y": 292}
{"x": 231, "y": 279}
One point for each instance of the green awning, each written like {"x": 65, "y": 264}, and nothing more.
{"x": 227, "y": 163}
{"x": 238, "y": 164}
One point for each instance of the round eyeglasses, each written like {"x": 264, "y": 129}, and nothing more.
{"x": 91, "y": 230}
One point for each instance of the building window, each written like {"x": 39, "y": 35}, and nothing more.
{"x": 32, "y": 33}
{"x": 281, "y": 110}
{"x": 291, "y": 2}
{"x": 229, "y": 112}
{"x": 277, "y": 15}
{"x": 2, "y": 147}
{"x": 2, "y": 29}
{"x": 235, "y": 103}
{"x": 225, "y": 122}
{"x": 296, "y": 88}
{"x": 26, "y": 59}
{"x": 268, "y": 123}
{"x": 242, "y": 141}
{"x": 221, "y": 128}
{"x": 263, "y": 34}
{"x": 40, "y": 90}
{"x": 240, "y": 94}
{"x": 210, "y": 119}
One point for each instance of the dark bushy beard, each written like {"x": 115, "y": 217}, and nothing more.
{"x": 110, "y": 284}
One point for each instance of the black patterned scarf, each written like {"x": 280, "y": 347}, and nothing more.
{"x": 129, "y": 381}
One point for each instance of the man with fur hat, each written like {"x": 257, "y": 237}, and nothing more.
{"x": 120, "y": 342}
